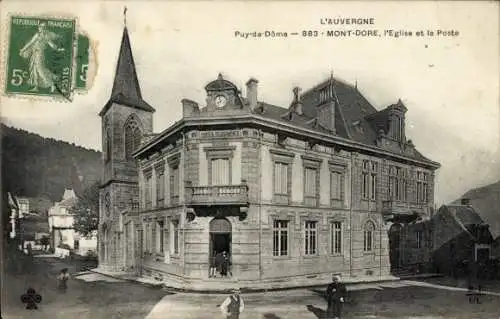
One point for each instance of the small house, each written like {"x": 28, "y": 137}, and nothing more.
{"x": 461, "y": 239}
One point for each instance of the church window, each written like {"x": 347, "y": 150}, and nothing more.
{"x": 133, "y": 137}
{"x": 107, "y": 144}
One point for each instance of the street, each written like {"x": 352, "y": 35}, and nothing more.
{"x": 93, "y": 295}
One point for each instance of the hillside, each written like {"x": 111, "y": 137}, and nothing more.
{"x": 41, "y": 168}
{"x": 486, "y": 200}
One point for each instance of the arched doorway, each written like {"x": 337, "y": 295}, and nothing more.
{"x": 395, "y": 246}
{"x": 220, "y": 237}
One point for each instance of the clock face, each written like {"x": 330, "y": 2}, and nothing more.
{"x": 107, "y": 204}
{"x": 220, "y": 101}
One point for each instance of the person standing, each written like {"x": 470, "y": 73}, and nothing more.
{"x": 213, "y": 265}
{"x": 336, "y": 293}
{"x": 233, "y": 305}
{"x": 225, "y": 264}
{"x": 62, "y": 280}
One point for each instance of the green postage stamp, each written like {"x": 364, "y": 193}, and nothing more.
{"x": 46, "y": 57}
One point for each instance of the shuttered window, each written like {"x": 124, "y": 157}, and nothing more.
{"x": 220, "y": 171}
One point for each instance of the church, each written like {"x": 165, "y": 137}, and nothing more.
{"x": 327, "y": 184}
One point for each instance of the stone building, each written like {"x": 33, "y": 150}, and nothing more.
{"x": 61, "y": 220}
{"x": 289, "y": 192}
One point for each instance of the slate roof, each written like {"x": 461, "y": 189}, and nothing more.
{"x": 126, "y": 89}
{"x": 467, "y": 219}
{"x": 465, "y": 214}
{"x": 355, "y": 117}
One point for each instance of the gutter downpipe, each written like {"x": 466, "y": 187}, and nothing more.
{"x": 183, "y": 183}
{"x": 260, "y": 203}
{"x": 350, "y": 216}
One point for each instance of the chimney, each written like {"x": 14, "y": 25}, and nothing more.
{"x": 252, "y": 93}
{"x": 296, "y": 104}
{"x": 465, "y": 201}
{"x": 189, "y": 107}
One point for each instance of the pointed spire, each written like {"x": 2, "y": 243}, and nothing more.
{"x": 126, "y": 81}
{"x": 356, "y": 84}
{"x": 126, "y": 89}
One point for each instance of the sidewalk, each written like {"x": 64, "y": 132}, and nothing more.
{"x": 226, "y": 285}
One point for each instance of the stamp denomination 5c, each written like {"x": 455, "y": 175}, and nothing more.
{"x": 40, "y": 56}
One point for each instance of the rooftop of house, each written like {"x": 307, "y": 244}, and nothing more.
{"x": 356, "y": 119}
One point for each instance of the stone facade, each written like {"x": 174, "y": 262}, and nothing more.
{"x": 300, "y": 192}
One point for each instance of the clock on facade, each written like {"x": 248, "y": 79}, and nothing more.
{"x": 220, "y": 101}
{"x": 107, "y": 204}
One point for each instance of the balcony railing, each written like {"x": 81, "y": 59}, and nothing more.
{"x": 217, "y": 195}
{"x": 403, "y": 208}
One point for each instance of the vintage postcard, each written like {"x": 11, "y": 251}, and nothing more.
{"x": 250, "y": 159}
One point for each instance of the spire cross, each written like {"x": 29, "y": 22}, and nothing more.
{"x": 125, "y": 16}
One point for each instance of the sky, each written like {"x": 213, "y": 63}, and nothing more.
{"x": 450, "y": 84}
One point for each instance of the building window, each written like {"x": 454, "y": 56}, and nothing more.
{"x": 310, "y": 238}
{"x": 310, "y": 186}
{"x": 312, "y": 167}
{"x": 160, "y": 187}
{"x": 133, "y": 137}
{"x": 397, "y": 128}
{"x": 280, "y": 238}
{"x": 368, "y": 237}
{"x": 147, "y": 190}
{"x": 336, "y": 238}
{"x": 337, "y": 185}
{"x": 107, "y": 155}
{"x": 420, "y": 238}
{"x": 422, "y": 187}
{"x": 220, "y": 171}
{"x": 174, "y": 233}
{"x": 147, "y": 242}
{"x": 160, "y": 229}
{"x": 281, "y": 178}
{"x": 282, "y": 175}
{"x": 174, "y": 185}
{"x": 325, "y": 94}
{"x": 397, "y": 183}
{"x": 369, "y": 186}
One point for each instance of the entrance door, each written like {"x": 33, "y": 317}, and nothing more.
{"x": 220, "y": 238}
{"x": 395, "y": 246}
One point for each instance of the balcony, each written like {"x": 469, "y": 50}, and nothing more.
{"x": 401, "y": 211}
{"x": 217, "y": 195}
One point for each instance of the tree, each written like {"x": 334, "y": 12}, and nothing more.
{"x": 86, "y": 211}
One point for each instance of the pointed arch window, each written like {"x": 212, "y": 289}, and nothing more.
{"x": 133, "y": 136}
{"x": 107, "y": 143}
{"x": 369, "y": 230}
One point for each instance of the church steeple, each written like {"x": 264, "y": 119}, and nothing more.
{"x": 126, "y": 81}
{"x": 126, "y": 89}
